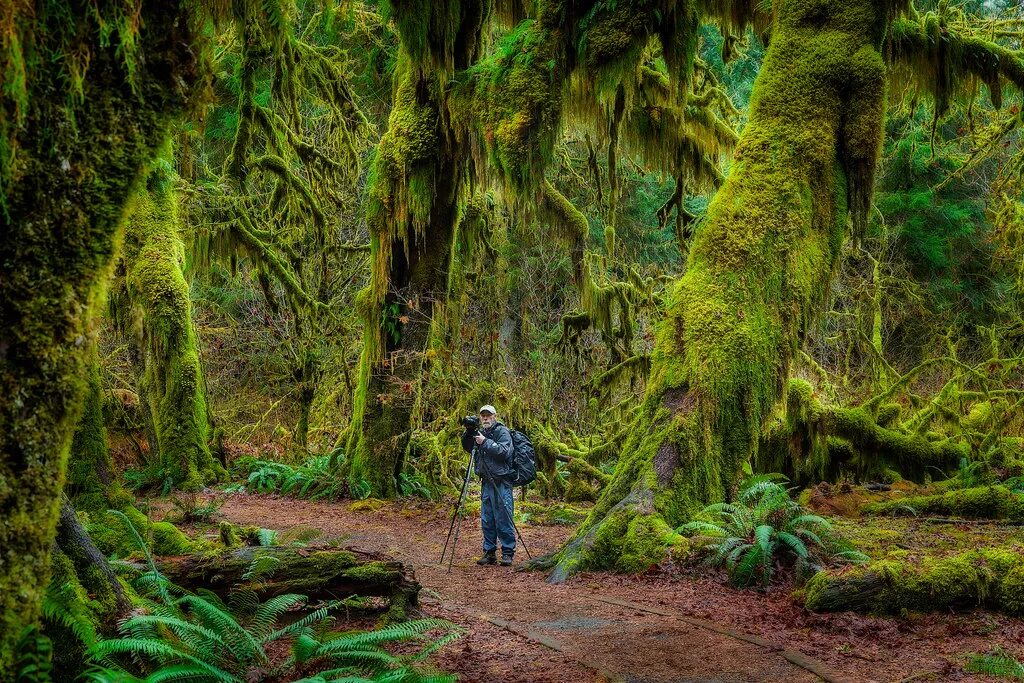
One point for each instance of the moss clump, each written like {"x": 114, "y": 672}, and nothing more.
{"x": 983, "y": 502}
{"x": 647, "y": 537}
{"x": 989, "y": 577}
{"x": 373, "y": 572}
{"x": 367, "y": 505}
{"x": 172, "y": 379}
{"x": 579, "y": 490}
{"x": 1011, "y": 591}
{"x": 170, "y": 540}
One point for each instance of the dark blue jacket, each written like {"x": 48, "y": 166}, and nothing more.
{"x": 494, "y": 455}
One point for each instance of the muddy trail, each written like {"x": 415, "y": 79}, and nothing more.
{"x": 664, "y": 626}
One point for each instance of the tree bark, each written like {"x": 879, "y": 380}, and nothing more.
{"x": 76, "y": 158}
{"x": 757, "y": 272}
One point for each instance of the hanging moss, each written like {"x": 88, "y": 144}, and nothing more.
{"x": 417, "y": 191}
{"x": 811, "y": 442}
{"x": 172, "y": 378}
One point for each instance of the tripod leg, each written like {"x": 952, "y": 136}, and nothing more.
{"x": 455, "y": 542}
{"x": 520, "y": 535}
{"x": 455, "y": 512}
{"x": 458, "y": 513}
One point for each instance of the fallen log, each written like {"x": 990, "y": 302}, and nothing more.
{"x": 989, "y": 577}
{"x": 320, "y": 573}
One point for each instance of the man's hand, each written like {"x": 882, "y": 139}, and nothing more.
{"x": 480, "y": 438}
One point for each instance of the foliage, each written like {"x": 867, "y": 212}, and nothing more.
{"x": 996, "y": 663}
{"x": 414, "y": 485}
{"x": 314, "y": 478}
{"x": 184, "y": 636}
{"x": 763, "y": 528}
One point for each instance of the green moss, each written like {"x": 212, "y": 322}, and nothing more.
{"x": 374, "y": 572}
{"x": 988, "y": 577}
{"x": 172, "y": 376}
{"x": 758, "y": 269}
{"x": 169, "y": 540}
{"x": 578, "y": 490}
{"x": 645, "y": 543}
{"x": 367, "y": 505}
{"x": 983, "y": 502}
{"x": 229, "y": 537}
{"x": 1011, "y": 591}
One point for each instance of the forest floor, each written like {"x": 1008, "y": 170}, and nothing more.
{"x": 671, "y": 624}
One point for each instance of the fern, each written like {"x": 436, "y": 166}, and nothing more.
{"x": 764, "y": 527}
{"x": 997, "y": 663}
{"x": 187, "y": 637}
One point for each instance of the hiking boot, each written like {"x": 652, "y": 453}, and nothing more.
{"x": 488, "y": 558}
{"x": 506, "y": 560}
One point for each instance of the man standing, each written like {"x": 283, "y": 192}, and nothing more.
{"x": 494, "y": 453}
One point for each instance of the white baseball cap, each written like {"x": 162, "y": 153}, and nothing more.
{"x": 488, "y": 409}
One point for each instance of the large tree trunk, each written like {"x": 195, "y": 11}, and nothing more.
{"x": 757, "y": 272}
{"x": 172, "y": 379}
{"x": 418, "y": 188}
{"x": 77, "y": 157}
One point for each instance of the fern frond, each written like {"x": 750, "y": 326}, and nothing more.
{"x": 160, "y": 651}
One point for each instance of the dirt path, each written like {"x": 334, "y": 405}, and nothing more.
{"x": 604, "y": 627}
{"x": 596, "y": 640}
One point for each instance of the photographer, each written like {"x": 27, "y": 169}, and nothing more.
{"x": 494, "y": 452}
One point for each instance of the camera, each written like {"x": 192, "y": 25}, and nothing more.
{"x": 470, "y": 422}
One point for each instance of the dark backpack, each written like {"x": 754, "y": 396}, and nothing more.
{"x": 524, "y": 460}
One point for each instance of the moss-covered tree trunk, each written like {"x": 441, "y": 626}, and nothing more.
{"x": 76, "y": 159}
{"x": 418, "y": 190}
{"x": 758, "y": 270}
{"x": 171, "y": 379}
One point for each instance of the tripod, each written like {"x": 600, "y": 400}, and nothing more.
{"x": 457, "y": 514}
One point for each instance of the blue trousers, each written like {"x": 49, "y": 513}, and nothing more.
{"x": 495, "y": 522}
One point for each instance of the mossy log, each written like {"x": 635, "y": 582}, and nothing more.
{"x": 981, "y": 502}
{"x": 992, "y": 578}
{"x": 78, "y": 128}
{"x": 318, "y": 573}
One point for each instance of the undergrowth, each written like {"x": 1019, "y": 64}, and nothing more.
{"x": 183, "y": 636}
{"x": 765, "y": 528}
